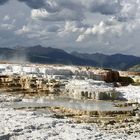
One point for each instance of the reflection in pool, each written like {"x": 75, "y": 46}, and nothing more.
{"x": 69, "y": 103}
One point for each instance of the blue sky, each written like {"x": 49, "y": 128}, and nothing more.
{"x": 104, "y": 26}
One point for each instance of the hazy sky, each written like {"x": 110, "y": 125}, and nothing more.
{"x": 105, "y": 26}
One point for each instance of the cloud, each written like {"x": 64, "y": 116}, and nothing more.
{"x": 122, "y": 10}
{"x": 35, "y": 30}
{"x": 55, "y": 10}
{"x": 6, "y": 18}
{"x": 3, "y": 2}
{"x": 65, "y": 14}
{"x": 49, "y": 5}
{"x": 129, "y": 11}
{"x": 109, "y": 29}
{"x": 53, "y": 28}
{"x": 72, "y": 27}
{"x": 7, "y": 26}
{"x": 52, "y": 5}
{"x": 106, "y": 7}
{"x": 23, "y": 30}
{"x": 36, "y": 4}
{"x": 85, "y": 32}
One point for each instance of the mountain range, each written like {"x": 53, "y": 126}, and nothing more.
{"x": 48, "y": 55}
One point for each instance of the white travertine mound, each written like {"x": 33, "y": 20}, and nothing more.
{"x": 131, "y": 93}
{"x": 92, "y": 89}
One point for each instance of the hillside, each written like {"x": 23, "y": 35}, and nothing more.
{"x": 135, "y": 68}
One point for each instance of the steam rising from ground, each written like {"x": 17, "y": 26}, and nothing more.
{"x": 15, "y": 58}
{"x": 19, "y": 59}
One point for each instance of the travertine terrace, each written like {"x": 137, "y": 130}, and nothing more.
{"x": 57, "y": 93}
{"x": 96, "y": 83}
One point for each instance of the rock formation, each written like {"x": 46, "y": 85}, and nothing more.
{"x": 109, "y": 76}
{"x": 28, "y": 84}
{"x": 90, "y": 89}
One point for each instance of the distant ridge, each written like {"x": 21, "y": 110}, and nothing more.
{"x": 49, "y": 55}
{"x": 115, "y": 61}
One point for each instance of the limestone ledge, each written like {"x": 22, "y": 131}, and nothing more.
{"x": 94, "y": 113}
{"x": 28, "y": 84}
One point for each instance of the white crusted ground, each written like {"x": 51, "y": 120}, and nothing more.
{"x": 23, "y": 125}
{"x": 28, "y": 125}
{"x": 131, "y": 93}
{"x": 91, "y": 85}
